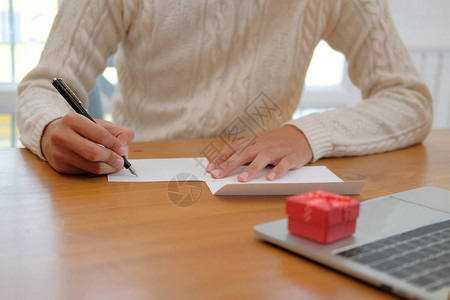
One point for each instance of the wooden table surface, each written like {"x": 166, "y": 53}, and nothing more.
{"x": 74, "y": 237}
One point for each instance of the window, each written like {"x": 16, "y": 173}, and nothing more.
{"x": 24, "y": 27}
{"x": 327, "y": 84}
{"x": 326, "y": 69}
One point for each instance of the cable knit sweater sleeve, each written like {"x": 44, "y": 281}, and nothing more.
{"x": 396, "y": 110}
{"x": 84, "y": 34}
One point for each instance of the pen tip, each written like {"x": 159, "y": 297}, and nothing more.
{"x": 133, "y": 171}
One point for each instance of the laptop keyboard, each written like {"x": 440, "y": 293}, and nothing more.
{"x": 420, "y": 256}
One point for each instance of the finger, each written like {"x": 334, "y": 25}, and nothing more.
{"x": 222, "y": 156}
{"x": 285, "y": 164}
{"x": 95, "y": 133}
{"x": 260, "y": 162}
{"x": 227, "y": 151}
{"x": 85, "y": 148}
{"x": 239, "y": 158}
{"x": 66, "y": 161}
{"x": 280, "y": 169}
{"x": 93, "y": 152}
{"x": 58, "y": 158}
{"x": 125, "y": 135}
{"x": 232, "y": 163}
{"x": 81, "y": 165}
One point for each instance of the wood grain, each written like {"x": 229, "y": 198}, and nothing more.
{"x": 80, "y": 237}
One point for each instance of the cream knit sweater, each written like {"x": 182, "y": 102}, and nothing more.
{"x": 193, "y": 69}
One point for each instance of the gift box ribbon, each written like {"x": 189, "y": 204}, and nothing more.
{"x": 343, "y": 203}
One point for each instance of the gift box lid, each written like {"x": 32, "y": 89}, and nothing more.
{"x": 322, "y": 208}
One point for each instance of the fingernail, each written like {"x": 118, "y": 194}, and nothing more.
{"x": 210, "y": 167}
{"x": 118, "y": 163}
{"x": 122, "y": 151}
{"x": 271, "y": 176}
{"x": 216, "y": 172}
{"x": 243, "y": 176}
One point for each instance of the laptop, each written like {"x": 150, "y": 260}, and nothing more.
{"x": 401, "y": 244}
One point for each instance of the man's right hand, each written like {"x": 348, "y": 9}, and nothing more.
{"x": 72, "y": 145}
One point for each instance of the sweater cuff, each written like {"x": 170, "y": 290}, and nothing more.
{"x": 34, "y": 142}
{"x": 33, "y": 120}
{"x": 317, "y": 136}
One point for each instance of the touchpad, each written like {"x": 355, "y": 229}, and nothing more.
{"x": 390, "y": 215}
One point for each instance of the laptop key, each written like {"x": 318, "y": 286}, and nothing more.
{"x": 425, "y": 265}
{"x": 414, "y": 256}
{"x": 423, "y": 280}
{"x": 400, "y": 274}
{"x": 397, "y": 238}
{"x": 351, "y": 252}
{"x": 441, "y": 235}
{"x": 413, "y": 270}
{"x": 440, "y": 285}
{"x": 441, "y": 260}
{"x": 379, "y": 244}
{"x": 445, "y": 272}
{"x": 367, "y": 259}
{"x": 387, "y": 265}
{"x": 404, "y": 247}
{"x": 391, "y": 251}
{"x": 442, "y": 273}
{"x": 417, "y": 243}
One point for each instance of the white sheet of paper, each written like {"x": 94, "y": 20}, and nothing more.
{"x": 193, "y": 169}
{"x": 165, "y": 169}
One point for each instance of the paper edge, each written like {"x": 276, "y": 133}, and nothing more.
{"x": 343, "y": 187}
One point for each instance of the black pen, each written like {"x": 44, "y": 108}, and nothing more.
{"x": 73, "y": 100}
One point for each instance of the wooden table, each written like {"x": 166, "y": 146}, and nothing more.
{"x": 73, "y": 237}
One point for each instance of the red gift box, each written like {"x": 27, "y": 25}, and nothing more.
{"x": 321, "y": 216}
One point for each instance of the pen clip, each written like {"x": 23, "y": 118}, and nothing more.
{"x": 70, "y": 97}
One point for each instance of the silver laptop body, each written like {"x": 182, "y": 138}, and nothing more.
{"x": 401, "y": 244}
